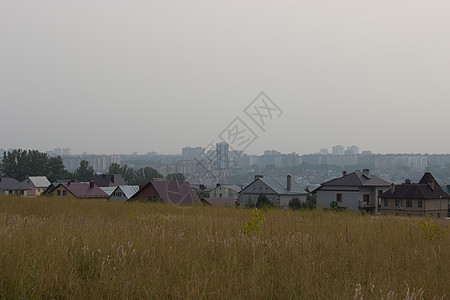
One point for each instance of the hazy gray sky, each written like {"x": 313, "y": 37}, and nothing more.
{"x": 124, "y": 76}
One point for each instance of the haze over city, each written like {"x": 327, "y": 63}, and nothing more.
{"x": 141, "y": 76}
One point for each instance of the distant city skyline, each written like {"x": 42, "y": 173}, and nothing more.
{"x": 141, "y": 76}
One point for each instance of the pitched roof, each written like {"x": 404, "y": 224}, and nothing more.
{"x": 83, "y": 190}
{"x": 233, "y": 187}
{"x": 11, "y": 184}
{"x": 127, "y": 190}
{"x": 108, "y": 189}
{"x": 220, "y": 201}
{"x": 173, "y": 192}
{"x": 278, "y": 188}
{"x": 37, "y": 181}
{"x": 358, "y": 179}
{"x": 281, "y": 189}
{"x": 109, "y": 180}
{"x": 421, "y": 190}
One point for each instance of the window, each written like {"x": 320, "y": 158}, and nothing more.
{"x": 220, "y": 195}
{"x": 58, "y": 193}
{"x": 64, "y": 193}
{"x": 366, "y": 198}
{"x": 385, "y": 202}
{"x": 338, "y": 197}
{"x": 419, "y": 203}
{"x": 409, "y": 203}
{"x": 438, "y": 215}
{"x": 397, "y": 203}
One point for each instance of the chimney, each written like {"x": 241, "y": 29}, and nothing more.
{"x": 112, "y": 178}
{"x": 366, "y": 172}
{"x": 68, "y": 182}
{"x": 392, "y": 188}
{"x": 0, "y": 179}
{"x": 258, "y": 176}
{"x": 408, "y": 181}
{"x": 289, "y": 182}
{"x": 218, "y": 184}
{"x": 431, "y": 184}
{"x": 344, "y": 173}
{"x": 140, "y": 187}
{"x": 91, "y": 184}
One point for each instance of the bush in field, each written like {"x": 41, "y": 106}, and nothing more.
{"x": 253, "y": 222}
{"x": 431, "y": 231}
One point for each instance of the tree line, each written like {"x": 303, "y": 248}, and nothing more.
{"x": 20, "y": 163}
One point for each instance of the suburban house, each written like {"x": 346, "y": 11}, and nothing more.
{"x": 37, "y": 185}
{"x": 231, "y": 202}
{"x": 78, "y": 190}
{"x": 123, "y": 193}
{"x": 170, "y": 192}
{"x": 354, "y": 191}
{"x": 225, "y": 191}
{"x": 425, "y": 198}
{"x": 277, "y": 193}
{"x": 105, "y": 180}
{"x": 11, "y": 186}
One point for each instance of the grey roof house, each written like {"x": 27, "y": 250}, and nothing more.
{"x": 123, "y": 193}
{"x": 354, "y": 191}
{"x": 279, "y": 194}
{"x": 11, "y": 186}
{"x": 37, "y": 184}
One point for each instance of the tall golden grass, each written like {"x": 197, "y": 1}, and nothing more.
{"x": 61, "y": 248}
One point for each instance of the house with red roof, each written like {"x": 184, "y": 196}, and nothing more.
{"x": 166, "y": 191}
{"x": 80, "y": 190}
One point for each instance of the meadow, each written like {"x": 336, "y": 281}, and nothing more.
{"x": 78, "y": 249}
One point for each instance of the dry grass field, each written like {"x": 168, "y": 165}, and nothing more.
{"x": 78, "y": 249}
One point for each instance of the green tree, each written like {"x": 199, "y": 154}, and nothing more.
{"x": 263, "y": 201}
{"x": 115, "y": 168}
{"x": 144, "y": 175}
{"x": 85, "y": 172}
{"x": 128, "y": 174}
{"x": 295, "y": 204}
{"x": 55, "y": 169}
{"x": 175, "y": 177}
{"x": 20, "y": 163}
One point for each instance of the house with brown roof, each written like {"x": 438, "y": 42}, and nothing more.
{"x": 425, "y": 198}
{"x": 359, "y": 190}
{"x": 80, "y": 190}
{"x": 169, "y": 192}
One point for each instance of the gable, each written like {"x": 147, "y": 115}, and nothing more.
{"x": 258, "y": 187}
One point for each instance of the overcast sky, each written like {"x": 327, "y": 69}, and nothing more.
{"x": 125, "y": 76}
